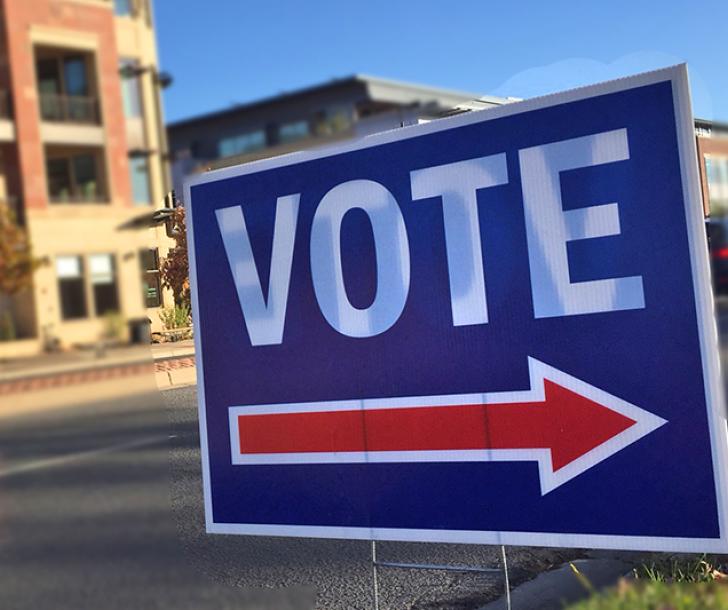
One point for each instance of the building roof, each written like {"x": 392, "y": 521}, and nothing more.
{"x": 381, "y": 89}
{"x": 716, "y": 126}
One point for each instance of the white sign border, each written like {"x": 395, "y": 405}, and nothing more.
{"x": 707, "y": 330}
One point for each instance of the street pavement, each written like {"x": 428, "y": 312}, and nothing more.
{"x": 85, "y": 512}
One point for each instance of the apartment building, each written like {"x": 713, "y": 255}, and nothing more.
{"x": 712, "y": 139}
{"x": 325, "y": 113}
{"x": 83, "y": 163}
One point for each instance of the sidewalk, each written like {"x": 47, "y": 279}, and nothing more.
{"x": 172, "y": 363}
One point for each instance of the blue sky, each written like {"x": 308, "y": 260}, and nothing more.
{"x": 223, "y": 52}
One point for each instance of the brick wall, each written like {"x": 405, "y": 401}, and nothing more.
{"x": 709, "y": 146}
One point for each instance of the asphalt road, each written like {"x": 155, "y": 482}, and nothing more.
{"x": 85, "y": 513}
{"x": 100, "y": 508}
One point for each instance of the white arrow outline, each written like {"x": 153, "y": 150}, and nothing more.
{"x": 645, "y": 422}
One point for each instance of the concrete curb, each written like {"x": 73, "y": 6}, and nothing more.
{"x": 168, "y": 378}
{"x": 554, "y": 589}
{"x": 169, "y": 372}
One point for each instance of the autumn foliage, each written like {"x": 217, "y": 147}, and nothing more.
{"x": 175, "y": 269}
{"x": 17, "y": 263}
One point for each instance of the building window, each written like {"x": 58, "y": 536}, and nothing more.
{"x": 139, "y": 170}
{"x": 290, "y": 132}
{"x": 151, "y": 283}
{"x": 333, "y": 120}
{"x": 122, "y": 8}
{"x": 74, "y": 176}
{"x": 65, "y": 86}
{"x": 716, "y": 169}
{"x": 103, "y": 283}
{"x": 247, "y": 142}
{"x": 130, "y": 89}
{"x": 71, "y": 287}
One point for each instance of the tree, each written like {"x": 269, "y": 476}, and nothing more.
{"x": 176, "y": 267}
{"x": 17, "y": 262}
{"x": 17, "y": 265}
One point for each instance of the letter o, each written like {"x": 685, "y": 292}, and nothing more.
{"x": 392, "y": 254}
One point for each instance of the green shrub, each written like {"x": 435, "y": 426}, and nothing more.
{"x": 114, "y": 325}
{"x": 658, "y": 595}
{"x": 7, "y": 327}
{"x": 175, "y": 317}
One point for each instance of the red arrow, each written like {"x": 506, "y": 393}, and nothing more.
{"x": 561, "y": 416}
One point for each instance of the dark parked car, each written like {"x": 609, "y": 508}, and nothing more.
{"x": 718, "y": 243}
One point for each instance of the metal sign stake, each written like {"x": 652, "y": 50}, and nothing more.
{"x": 376, "y": 564}
{"x": 505, "y": 575}
{"x": 375, "y": 582}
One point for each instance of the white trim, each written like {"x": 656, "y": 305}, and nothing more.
{"x": 703, "y": 297}
{"x": 207, "y": 495}
{"x": 705, "y": 306}
{"x": 42, "y": 35}
{"x": 596, "y": 541}
{"x": 72, "y": 134}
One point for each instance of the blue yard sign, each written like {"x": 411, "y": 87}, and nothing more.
{"x": 491, "y": 328}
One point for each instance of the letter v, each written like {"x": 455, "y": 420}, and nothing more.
{"x": 264, "y": 318}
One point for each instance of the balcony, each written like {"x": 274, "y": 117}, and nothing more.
{"x": 69, "y": 109}
{"x": 70, "y": 119}
{"x": 68, "y": 97}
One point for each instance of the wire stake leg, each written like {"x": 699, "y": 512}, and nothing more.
{"x": 505, "y": 574}
{"x": 375, "y": 581}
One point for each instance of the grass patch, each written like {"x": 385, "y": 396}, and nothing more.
{"x": 704, "y": 568}
{"x": 667, "y": 583}
{"x": 659, "y": 595}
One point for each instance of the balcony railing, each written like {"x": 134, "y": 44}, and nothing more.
{"x": 78, "y": 198}
{"x": 69, "y": 108}
{"x": 4, "y": 104}
{"x": 89, "y": 194}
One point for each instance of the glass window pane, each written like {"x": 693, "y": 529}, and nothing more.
{"x": 149, "y": 260}
{"x": 74, "y": 73}
{"x": 101, "y": 268}
{"x": 122, "y": 7}
{"x": 73, "y": 176}
{"x": 68, "y": 267}
{"x": 151, "y": 285}
{"x": 59, "y": 179}
{"x": 333, "y": 120}
{"x": 103, "y": 282}
{"x": 130, "y": 91}
{"x": 290, "y": 132}
{"x": 152, "y": 290}
{"x": 227, "y": 147}
{"x": 84, "y": 168}
{"x": 73, "y": 299}
{"x": 49, "y": 80}
{"x": 105, "y": 298}
{"x": 71, "y": 288}
{"x": 139, "y": 169}
{"x": 716, "y": 169}
{"x": 247, "y": 142}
